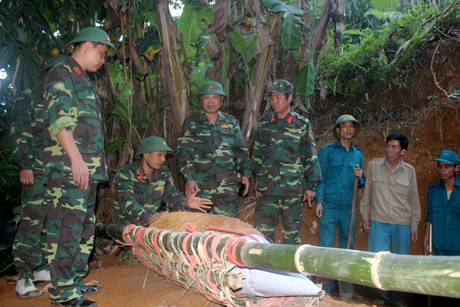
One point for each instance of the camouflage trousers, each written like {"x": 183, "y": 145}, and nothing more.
{"x": 224, "y": 199}
{"x": 29, "y": 246}
{"x": 269, "y": 209}
{"x": 71, "y": 226}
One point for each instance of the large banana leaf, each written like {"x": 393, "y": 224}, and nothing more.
{"x": 191, "y": 27}
{"x": 305, "y": 80}
{"x": 246, "y": 48}
{"x": 291, "y": 35}
{"x": 150, "y": 45}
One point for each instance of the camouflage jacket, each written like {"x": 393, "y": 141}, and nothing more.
{"x": 209, "y": 153}
{"x": 26, "y": 130}
{"x": 284, "y": 155}
{"x": 137, "y": 198}
{"x": 71, "y": 103}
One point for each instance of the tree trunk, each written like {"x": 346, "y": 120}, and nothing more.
{"x": 173, "y": 80}
{"x": 338, "y": 14}
{"x": 321, "y": 27}
{"x": 261, "y": 78}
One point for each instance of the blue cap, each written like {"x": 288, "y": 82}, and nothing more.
{"x": 448, "y": 156}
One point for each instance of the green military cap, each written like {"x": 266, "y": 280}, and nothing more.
{"x": 448, "y": 156}
{"x": 55, "y": 60}
{"x": 282, "y": 86}
{"x": 346, "y": 118}
{"x": 153, "y": 143}
{"x": 212, "y": 88}
{"x": 94, "y": 35}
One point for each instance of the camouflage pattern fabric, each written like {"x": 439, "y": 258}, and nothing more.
{"x": 26, "y": 140}
{"x": 208, "y": 154}
{"x": 71, "y": 103}
{"x": 137, "y": 198}
{"x": 270, "y": 208}
{"x": 285, "y": 164}
{"x": 71, "y": 226}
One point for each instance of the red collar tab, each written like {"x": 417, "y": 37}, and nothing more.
{"x": 141, "y": 176}
{"x": 289, "y": 120}
{"x": 273, "y": 118}
{"x": 78, "y": 70}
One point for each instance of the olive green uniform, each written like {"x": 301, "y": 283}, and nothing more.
{"x": 285, "y": 165}
{"x": 210, "y": 155}
{"x": 137, "y": 197}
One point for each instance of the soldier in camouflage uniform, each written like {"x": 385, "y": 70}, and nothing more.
{"x": 209, "y": 149}
{"x": 26, "y": 140}
{"x": 74, "y": 163}
{"x": 141, "y": 187}
{"x": 285, "y": 166}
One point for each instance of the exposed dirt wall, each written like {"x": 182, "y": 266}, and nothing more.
{"x": 440, "y": 131}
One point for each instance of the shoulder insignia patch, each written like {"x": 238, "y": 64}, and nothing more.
{"x": 273, "y": 118}
{"x": 311, "y": 134}
{"x": 141, "y": 176}
{"x": 171, "y": 180}
{"x": 78, "y": 70}
{"x": 289, "y": 120}
{"x": 158, "y": 188}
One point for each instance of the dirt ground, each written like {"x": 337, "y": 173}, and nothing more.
{"x": 133, "y": 285}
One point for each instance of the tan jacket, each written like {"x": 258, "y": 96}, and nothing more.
{"x": 391, "y": 197}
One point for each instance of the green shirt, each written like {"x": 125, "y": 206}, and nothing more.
{"x": 284, "y": 155}
{"x": 209, "y": 154}
{"x": 137, "y": 197}
{"x": 26, "y": 130}
{"x": 71, "y": 102}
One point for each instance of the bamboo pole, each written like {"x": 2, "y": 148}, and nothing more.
{"x": 438, "y": 275}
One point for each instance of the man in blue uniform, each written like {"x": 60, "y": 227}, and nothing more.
{"x": 443, "y": 206}
{"x": 340, "y": 162}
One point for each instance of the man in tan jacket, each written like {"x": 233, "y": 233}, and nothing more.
{"x": 390, "y": 206}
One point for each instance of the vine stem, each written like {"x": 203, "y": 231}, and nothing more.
{"x": 434, "y": 74}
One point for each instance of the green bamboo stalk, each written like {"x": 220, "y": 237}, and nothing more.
{"x": 438, "y": 275}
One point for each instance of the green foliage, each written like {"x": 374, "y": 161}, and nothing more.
{"x": 246, "y": 48}
{"x": 291, "y": 35}
{"x": 367, "y": 60}
{"x": 31, "y": 30}
{"x": 305, "y": 80}
{"x": 10, "y": 186}
{"x": 191, "y": 26}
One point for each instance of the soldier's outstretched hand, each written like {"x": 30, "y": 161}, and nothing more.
{"x": 190, "y": 188}
{"x": 309, "y": 196}
{"x": 246, "y": 185}
{"x": 201, "y": 204}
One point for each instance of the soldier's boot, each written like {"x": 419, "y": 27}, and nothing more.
{"x": 75, "y": 302}
{"x": 25, "y": 288}
{"x": 42, "y": 276}
{"x": 88, "y": 290}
